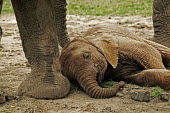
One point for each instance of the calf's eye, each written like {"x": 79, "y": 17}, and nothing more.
{"x": 86, "y": 56}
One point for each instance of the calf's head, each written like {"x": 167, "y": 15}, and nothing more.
{"x": 86, "y": 61}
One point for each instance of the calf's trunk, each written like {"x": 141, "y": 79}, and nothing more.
{"x": 90, "y": 85}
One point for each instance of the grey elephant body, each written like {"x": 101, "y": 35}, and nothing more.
{"x": 129, "y": 58}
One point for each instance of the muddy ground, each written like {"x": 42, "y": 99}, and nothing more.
{"x": 13, "y": 70}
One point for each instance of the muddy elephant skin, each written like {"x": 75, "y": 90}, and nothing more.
{"x": 42, "y": 26}
{"x": 161, "y": 22}
{"x": 110, "y": 51}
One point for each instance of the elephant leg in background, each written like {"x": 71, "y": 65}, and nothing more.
{"x": 161, "y": 22}
{"x": 38, "y": 29}
{"x": 1, "y": 3}
{"x": 60, "y": 19}
{"x": 151, "y": 77}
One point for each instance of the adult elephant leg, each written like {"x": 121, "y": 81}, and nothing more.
{"x": 60, "y": 19}
{"x": 1, "y": 3}
{"x": 37, "y": 26}
{"x": 161, "y": 22}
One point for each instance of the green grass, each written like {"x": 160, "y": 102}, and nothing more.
{"x": 102, "y": 7}
{"x": 6, "y": 111}
{"x": 156, "y": 92}
{"x": 107, "y": 84}
{"x": 110, "y": 7}
{"x": 7, "y": 6}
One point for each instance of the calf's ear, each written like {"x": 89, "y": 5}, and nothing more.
{"x": 108, "y": 46}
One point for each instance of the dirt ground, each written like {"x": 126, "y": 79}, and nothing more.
{"x": 13, "y": 70}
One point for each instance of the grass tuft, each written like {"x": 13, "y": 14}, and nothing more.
{"x": 107, "y": 84}
{"x": 156, "y": 92}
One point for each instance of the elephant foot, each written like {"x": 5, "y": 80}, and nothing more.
{"x": 50, "y": 86}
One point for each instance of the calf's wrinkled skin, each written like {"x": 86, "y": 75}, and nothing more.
{"x": 110, "y": 51}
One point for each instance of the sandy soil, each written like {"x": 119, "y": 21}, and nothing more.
{"x": 13, "y": 70}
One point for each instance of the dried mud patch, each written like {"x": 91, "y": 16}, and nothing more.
{"x": 13, "y": 70}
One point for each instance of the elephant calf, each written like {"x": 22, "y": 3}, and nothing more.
{"x": 110, "y": 51}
